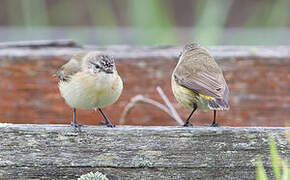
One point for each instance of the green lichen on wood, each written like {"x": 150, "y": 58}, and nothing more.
{"x": 107, "y": 159}
{"x": 93, "y": 176}
{"x": 141, "y": 161}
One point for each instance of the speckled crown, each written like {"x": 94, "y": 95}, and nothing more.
{"x": 190, "y": 47}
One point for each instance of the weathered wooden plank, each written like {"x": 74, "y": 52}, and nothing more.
{"x": 38, "y": 44}
{"x": 56, "y": 151}
{"x": 42, "y": 49}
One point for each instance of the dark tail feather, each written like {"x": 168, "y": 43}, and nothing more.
{"x": 218, "y": 104}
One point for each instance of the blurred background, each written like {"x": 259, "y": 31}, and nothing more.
{"x": 147, "y": 22}
{"x": 259, "y": 84}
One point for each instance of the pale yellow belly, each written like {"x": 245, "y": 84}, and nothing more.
{"x": 188, "y": 97}
{"x": 86, "y": 91}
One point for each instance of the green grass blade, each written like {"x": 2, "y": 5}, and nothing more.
{"x": 260, "y": 171}
{"x": 275, "y": 158}
{"x": 286, "y": 171}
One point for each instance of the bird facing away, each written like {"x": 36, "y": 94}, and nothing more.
{"x": 90, "y": 81}
{"x": 198, "y": 83}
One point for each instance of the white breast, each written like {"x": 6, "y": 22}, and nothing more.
{"x": 86, "y": 91}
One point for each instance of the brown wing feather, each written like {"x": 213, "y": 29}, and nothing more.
{"x": 71, "y": 67}
{"x": 199, "y": 72}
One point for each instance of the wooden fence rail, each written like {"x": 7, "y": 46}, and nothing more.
{"x": 134, "y": 152}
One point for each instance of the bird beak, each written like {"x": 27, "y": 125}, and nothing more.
{"x": 60, "y": 76}
{"x": 109, "y": 71}
{"x": 179, "y": 55}
{"x": 57, "y": 74}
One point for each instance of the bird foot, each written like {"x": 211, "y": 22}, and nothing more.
{"x": 76, "y": 126}
{"x": 108, "y": 124}
{"x": 187, "y": 124}
{"x": 214, "y": 125}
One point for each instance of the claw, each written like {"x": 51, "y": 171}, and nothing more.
{"x": 76, "y": 126}
{"x": 214, "y": 125}
{"x": 107, "y": 121}
{"x": 107, "y": 124}
{"x": 187, "y": 124}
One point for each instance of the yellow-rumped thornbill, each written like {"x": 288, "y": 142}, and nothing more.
{"x": 198, "y": 82}
{"x": 90, "y": 81}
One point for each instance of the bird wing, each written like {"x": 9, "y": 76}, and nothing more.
{"x": 71, "y": 67}
{"x": 200, "y": 73}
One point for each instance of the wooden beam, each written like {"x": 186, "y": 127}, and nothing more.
{"x": 131, "y": 152}
{"x": 53, "y": 48}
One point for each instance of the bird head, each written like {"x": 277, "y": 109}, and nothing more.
{"x": 99, "y": 62}
{"x": 190, "y": 46}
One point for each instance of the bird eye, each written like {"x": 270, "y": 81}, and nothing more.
{"x": 97, "y": 66}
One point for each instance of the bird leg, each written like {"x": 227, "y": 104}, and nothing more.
{"x": 74, "y": 124}
{"x": 107, "y": 121}
{"x": 187, "y": 123}
{"x": 214, "y": 124}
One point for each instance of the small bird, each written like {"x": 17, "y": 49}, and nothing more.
{"x": 90, "y": 81}
{"x": 198, "y": 83}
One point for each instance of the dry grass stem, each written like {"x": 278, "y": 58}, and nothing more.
{"x": 173, "y": 112}
{"x": 141, "y": 99}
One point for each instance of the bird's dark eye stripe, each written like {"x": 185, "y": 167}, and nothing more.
{"x": 107, "y": 63}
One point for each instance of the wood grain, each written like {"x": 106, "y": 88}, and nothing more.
{"x": 132, "y": 152}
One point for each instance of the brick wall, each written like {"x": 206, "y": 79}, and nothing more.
{"x": 259, "y": 86}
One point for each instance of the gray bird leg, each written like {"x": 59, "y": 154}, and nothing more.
{"x": 187, "y": 123}
{"x": 107, "y": 121}
{"x": 74, "y": 124}
{"x": 214, "y": 124}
